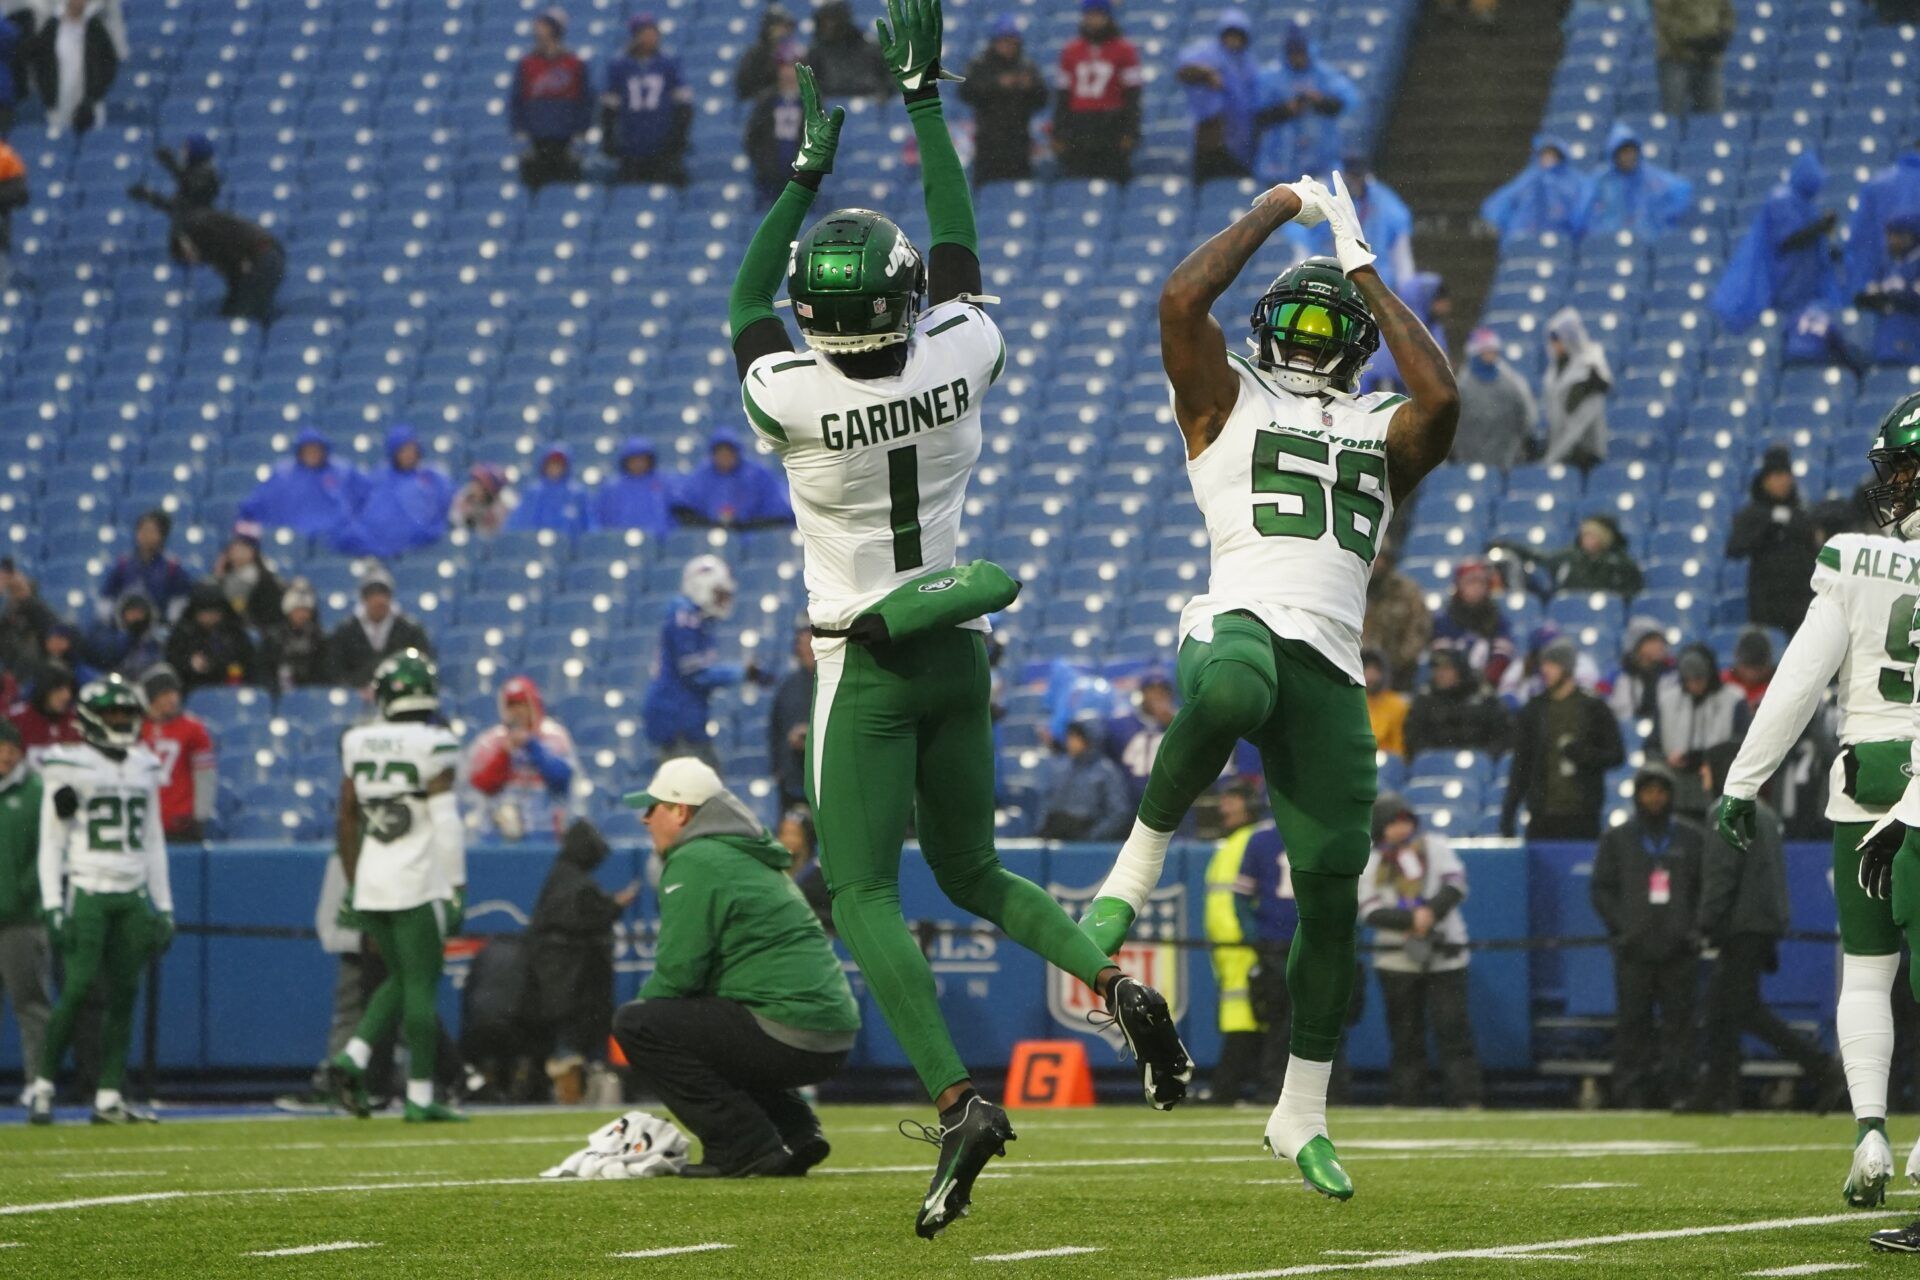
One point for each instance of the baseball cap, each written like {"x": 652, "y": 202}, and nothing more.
{"x": 682, "y": 781}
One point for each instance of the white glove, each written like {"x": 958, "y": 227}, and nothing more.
{"x": 1310, "y": 193}
{"x": 1349, "y": 241}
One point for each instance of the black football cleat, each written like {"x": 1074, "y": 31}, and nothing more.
{"x": 123, "y": 1113}
{"x": 1144, "y": 1019}
{"x": 981, "y": 1133}
{"x": 1897, "y": 1239}
{"x": 771, "y": 1165}
{"x": 807, "y": 1153}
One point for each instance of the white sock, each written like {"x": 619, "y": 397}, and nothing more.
{"x": 360, "y": 1052}
{"x": 1864, "y": 1023}
{"x": 420, "y": 1092}
{"x": 1301, "y": 1114}
{"x": 106, "y": 1099}
{"x": 42, "y": 1086}
{"x": 1137, "y": 870}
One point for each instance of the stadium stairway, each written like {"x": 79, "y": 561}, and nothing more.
{"x": 1496, "y": 76}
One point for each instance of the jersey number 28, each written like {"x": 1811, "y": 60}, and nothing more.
{"x": 1349, "y": 503}
{"x": 116, "y": 824}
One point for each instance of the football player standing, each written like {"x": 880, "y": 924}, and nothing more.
{"x": 878, "y": 423}
{"x": 1297, "y": 478}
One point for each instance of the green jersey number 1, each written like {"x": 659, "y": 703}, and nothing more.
{"x": 1896, "y": 683}
{"x": 1344, "y": 506}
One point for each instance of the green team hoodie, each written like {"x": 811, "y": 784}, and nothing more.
{"x": 19, "y": 847}
{"x": 734, "y": 925}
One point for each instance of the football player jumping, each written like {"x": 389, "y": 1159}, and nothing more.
{"x": 1297, "y": 478}
{"x": 405, "y": 854}
{"x": 100, "y": 833}
{"x": 879, "y": 426}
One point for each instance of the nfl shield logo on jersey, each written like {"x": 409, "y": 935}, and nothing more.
{"x": 1149, "y": 955}
{"x": 1326, "y": 417}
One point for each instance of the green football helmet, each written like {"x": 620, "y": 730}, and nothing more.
{"x": 1895, "y": 455}
{"x": 856, "y": 282}
{"x": 1312, "y": 329}
{"x": 110, "y": 711}
{"x": 406, "y": 682}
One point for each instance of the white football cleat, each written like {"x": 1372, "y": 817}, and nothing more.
{"x": 1913, "y": 1162}
{"x": 1872, "y": 1170}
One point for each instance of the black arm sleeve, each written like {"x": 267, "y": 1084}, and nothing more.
{"x": 1396, "y": 918}
{"x": 952, "y": 270}
{"x": 761, "y": 338}
{"x": 1443, "y": 902}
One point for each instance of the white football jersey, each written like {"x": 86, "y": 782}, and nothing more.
{"x": 1295, "y": 496}
{"x": 1857, "y": 630}
{"x": 878, "y": 468}
{"x": 391, "y": 763}
{"x": 113, "y": 842}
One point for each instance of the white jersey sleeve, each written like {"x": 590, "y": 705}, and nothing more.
{"x": 1812, "y": 659}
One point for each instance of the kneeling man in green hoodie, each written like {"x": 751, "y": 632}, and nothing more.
{"x": 747, "y": 1003}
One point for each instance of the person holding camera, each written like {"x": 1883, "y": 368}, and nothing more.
{"x": 1410, "y": 895}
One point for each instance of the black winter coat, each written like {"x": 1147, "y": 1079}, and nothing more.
{"x": 1623, "y": 869}
{"x": 572, "y": 927}
{"x": 1595, "y": 749}
{"x": 1746, "y": 893}
{"x": 1779, "y": 544}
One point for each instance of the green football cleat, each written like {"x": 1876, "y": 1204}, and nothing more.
{"x": 1322, "y": 1171}
{"x": 348, "y": 1085}
{"x": 1872, "y": 1168}
{"x": 1106, "y": 922}
{"x": 432, "y": 1113}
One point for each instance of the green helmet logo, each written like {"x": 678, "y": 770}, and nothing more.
{"x": 406, "y": 682}
{"x": 1895, "y": 456}
{"x": 1312, "y": 329}
{"x": 110, "y": 710}
{"x": 856, "y": 282}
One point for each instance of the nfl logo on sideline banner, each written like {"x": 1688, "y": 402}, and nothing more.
{"x": 1149, "y": 955}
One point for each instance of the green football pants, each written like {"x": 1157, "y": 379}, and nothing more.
{"x": 1867, "y": 925}
{"x": 905, "y": 731}
{"x": 1309, "y": 723}
{"x": 410, "y": 941}
{"x": 109, "y": 937}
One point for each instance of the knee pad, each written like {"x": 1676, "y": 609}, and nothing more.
{"x": 1235, "y": 698}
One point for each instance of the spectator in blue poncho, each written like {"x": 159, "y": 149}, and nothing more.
{"x": 638, "y": 496}
{"x": 1220, "y": 75}
{"x": 1384, "y": 218}
{"x": 554, "y": 500}
{"x": 1783, "y": 261}
{"x": 1632, "y": 193}
{"x": 688, "y": 668}
{"x": 1299, "y": 103}
{"x": 1892, "y": 191}
{"x": 309, "y": 492}
{"x": 732, "y": 490}
{"x": 1815, "y": 337}
{"x": 1895, "y": 296}
{"x": 405, "y": 505}
{"x": 1543, "y": 197}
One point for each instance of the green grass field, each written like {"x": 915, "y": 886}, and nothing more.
{"x": 1141, "y": 1194}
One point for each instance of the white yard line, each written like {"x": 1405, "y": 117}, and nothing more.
{"x": 1553, "y": 1246}
{"x": 1024, "y": 1255}
{"x": 1811, "y": 1269}
{"x": 355, "y": 1188}
{"x": 670, "y": 1252}
{"x": 298, "y": 1251}
{"x": 1588, "y": 1186}
{"x": 116, "y": 1173}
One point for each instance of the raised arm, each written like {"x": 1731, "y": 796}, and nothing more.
{"x": 1192, "y": 347}
{"x": 910, "y": 42}
{"x": 751, "y": 321}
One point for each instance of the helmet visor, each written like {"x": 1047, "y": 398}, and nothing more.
{"x": 1306, "y": 336}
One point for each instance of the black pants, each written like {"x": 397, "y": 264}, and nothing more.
{"x": 550, "y": 160}
{"x": 1564, "y": 826}
{"x": 1734, "y": 1006}
{"x": 1217, "y": 162}
{"x": 1415, "y": 1002}
{"x": 730, "y": 1083}
{"x": 1652, "y": 1053}
{"x": 250, "y": 297}
{"x": 666, "y": 167}
{"x": 1090, "y": 146}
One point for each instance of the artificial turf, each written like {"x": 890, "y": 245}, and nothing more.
{"x": 1165, "y": 1197}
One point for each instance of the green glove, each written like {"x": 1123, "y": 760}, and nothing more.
{"x": 1735, "y": 822}
{"x": 56, "y": 922}
{"x": 911, "y": 44}
{"x": 819, "y": 130}
{"x": 347, "y": 917}
{"x": 457, "y": 910}
{"x": 162, "y": 932}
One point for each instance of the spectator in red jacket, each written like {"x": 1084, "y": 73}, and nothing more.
{"x": 525, "y": 765}
{"x": 552, "y": 103}
{"x": 46, "y": 718}
{"x": 1096, "y": 117}
{"x": 185, "y": 747}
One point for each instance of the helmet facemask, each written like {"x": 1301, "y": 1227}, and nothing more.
{"x": 1312, "y": 333}
{"x": 1895, "y": 499}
